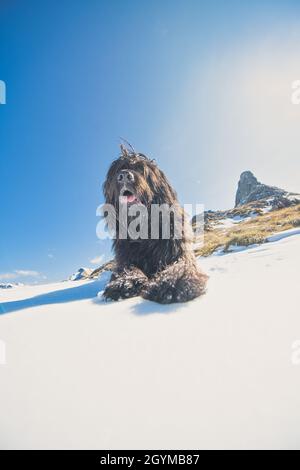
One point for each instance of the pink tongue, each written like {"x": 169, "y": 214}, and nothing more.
{"x": 130, "y": 198}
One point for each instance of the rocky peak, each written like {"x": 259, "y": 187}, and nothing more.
{"x": 247, "y": 183}
{"x": 250, "y": 189}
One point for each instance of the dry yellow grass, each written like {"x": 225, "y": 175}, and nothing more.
{"x": 252, "y": 231}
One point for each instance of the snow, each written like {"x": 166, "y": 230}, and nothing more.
{"x": 217, "y": 372}
{"x": 82, "y": 273}
{"x": 228, "y": 222}
{"x": 10, "y": 285}
{"x": 284, "y": 234}
{"x": 7, "y": 285}
{"x": 293, "y": 197}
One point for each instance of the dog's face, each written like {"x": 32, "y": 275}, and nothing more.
{"x": 135, "y": 179}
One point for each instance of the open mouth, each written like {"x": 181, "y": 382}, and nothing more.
{"x": 128, "y": 197}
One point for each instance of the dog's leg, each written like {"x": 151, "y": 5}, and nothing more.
{"x": 125, "y": 283}
{"x": 179, "y": 282}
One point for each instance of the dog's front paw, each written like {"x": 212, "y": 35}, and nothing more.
{"x": 125, "y": 286}
{"x": 162, "y": 292}
{"x": 169, "y": 290}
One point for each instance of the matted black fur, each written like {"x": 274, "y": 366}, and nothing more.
{"x": 162, "y": 270}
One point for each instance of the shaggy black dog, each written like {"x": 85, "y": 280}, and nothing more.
{"x": 161, "y": 269}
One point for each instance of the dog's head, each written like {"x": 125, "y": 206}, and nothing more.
{"x": 135, "y": 179}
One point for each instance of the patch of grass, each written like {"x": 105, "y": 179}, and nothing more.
{"x": 253, "y": 231}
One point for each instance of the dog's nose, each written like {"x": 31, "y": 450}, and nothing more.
{"x": 125, "y": 176}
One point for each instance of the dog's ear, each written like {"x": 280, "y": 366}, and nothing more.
{"x": 160, "y": 186}
{"x": 109, "y": 185}
{"x": 106, "y": 188}
{"x": 106, "y": 191}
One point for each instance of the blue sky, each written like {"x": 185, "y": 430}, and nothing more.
{"x": 204, "y": 87}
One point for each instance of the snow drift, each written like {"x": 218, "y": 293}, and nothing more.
{"x": 218, "y": 372}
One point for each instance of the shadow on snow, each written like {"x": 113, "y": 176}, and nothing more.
{"x": 72, "y": 294}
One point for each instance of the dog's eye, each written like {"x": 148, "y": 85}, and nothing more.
{"x": 120, "y": 177}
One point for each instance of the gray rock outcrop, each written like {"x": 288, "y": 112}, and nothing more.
{"x": 250, "y": 190}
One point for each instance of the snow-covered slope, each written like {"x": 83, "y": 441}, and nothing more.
{"x": 219, "y": 372}
{"x": 82, "y": 273}
{"x": 10, "y": 285}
